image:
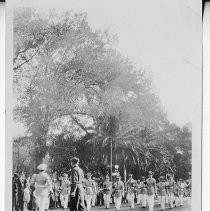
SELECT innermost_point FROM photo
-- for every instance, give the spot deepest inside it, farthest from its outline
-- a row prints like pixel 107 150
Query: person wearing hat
pixel 65 191
pixel 138 191
pixel 118 191
pixel 77 190
pixel 170 190
pixel 181 189
pixel 143 193
pixel 107 190
pixel 130 187
pixel 151 190
pixel 89 190
pixel 161 188
pixel 43 186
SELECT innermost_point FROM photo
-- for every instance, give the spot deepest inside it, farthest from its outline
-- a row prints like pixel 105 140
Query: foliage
pixel 76 95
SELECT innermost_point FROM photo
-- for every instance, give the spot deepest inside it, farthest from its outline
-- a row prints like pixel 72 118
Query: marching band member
pixel 43 186
pixel 65 191
pixel 107 190
pixel 118 188
pixel 170 190
pixel 89 190
pixel 143 192
pixel 138 191
pixel 181 188
pixel 158 193
pixel 130 186
pixel 151 190
pixel 161 187
pixel 94 197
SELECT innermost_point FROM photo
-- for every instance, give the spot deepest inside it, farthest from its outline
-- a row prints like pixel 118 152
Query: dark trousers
pixel 77 203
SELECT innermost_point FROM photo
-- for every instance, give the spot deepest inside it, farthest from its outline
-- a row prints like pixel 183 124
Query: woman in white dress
pixel 43 187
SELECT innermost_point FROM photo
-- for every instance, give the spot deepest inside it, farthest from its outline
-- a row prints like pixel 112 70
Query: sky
pixel 162 36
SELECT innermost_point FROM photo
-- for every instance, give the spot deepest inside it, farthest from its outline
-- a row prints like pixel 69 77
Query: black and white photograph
pixel 104 105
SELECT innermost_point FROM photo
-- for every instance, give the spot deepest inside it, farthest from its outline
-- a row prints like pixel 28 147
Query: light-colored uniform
pixel 151 186
pixel 65 191
pixel 143 194
pixel 170 191
pixel 94 194
pixel 181 189
pixel 138 192
pixel 89 191
pixel 42 186
pixel 131 185
pixel 118 193
pixel 107 189
pixel 161 187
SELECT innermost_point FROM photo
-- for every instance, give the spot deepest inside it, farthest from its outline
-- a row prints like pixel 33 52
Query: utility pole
pixel 111 159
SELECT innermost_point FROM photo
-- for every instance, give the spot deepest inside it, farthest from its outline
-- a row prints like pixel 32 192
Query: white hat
pixel 42 167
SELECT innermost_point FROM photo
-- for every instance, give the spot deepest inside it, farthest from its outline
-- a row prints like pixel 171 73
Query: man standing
pixel 65 191
pixel 161 186
pixel 94 197
pixel 170 190
pixel 138 191
pixel 143 194
pixel 77 190
pixel 107 187
pixel 151 190
pixel 118 190
pixel 181 189
pixel 130 186
pixel 89 190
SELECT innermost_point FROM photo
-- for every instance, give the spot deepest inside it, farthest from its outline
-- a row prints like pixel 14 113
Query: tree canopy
pixel 76 93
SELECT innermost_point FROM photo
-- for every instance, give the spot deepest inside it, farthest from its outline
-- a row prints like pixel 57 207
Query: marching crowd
pixel 77 192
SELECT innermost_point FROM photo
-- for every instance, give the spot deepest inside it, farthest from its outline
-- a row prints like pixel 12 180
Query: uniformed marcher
pixel 130 187
pixel 170 190
pixel 118 191
pixel 181 189
pixel 107 190
pixel 77 190
pixel 89 190
pixel 138 192
pixel 95 191
pixel 43 187
pixel 143 192
pixel 161 188
pixel 151 190
pixel 65 191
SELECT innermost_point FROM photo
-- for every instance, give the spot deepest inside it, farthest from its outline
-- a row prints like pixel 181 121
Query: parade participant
pixel 189 184
pixel 42 186
pixel 118 192
pixel 181 189
pixel 176 195
pixel 65 191
pixel 161 187
pixel 15 192
pixel 130 187
pixel 143 194
pixel 158 193
pixel 94 197
pixel 138 191
pixel 56 192
pixel 107 190
pixel 26 197
pixel 151 190
pixel 89 186
pixel 77 190
pixel 170 190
